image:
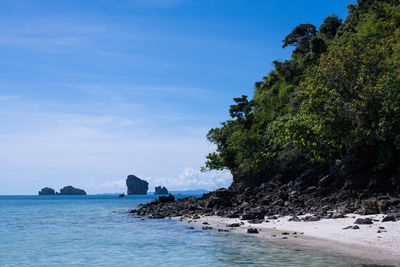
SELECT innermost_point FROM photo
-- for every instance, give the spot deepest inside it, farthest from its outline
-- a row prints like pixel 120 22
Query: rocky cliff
pixel 160 190
pixel 136 186
pixel 47 191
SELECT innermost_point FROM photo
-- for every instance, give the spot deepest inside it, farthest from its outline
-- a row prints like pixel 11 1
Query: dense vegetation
pixel 337 98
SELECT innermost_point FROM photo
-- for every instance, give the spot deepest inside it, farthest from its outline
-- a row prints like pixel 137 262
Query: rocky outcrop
pixel 327 192
pixel 136 186
pixel 160 190
pixel 70 190
pixel 47 191
pixel 255 203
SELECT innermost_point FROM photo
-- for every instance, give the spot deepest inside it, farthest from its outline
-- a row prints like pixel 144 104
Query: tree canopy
pixel 338 97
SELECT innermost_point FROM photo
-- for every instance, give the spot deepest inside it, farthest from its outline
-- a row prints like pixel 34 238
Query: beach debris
pixel 285 233
pixel 206 223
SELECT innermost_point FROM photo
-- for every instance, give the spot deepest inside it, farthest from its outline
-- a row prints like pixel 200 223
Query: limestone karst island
pixel 67 190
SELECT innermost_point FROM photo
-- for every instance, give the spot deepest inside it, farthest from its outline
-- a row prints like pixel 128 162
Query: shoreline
pixel 369 242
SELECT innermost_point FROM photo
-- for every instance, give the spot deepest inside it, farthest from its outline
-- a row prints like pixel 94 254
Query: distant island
pixel 160 190
pixel 136 186
pixel 47 191
pixel 67 190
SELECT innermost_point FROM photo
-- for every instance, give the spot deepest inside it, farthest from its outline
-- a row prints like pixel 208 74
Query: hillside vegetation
pixel 334 107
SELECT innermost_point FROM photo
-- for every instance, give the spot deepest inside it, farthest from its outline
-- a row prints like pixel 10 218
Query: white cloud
pixel 114 184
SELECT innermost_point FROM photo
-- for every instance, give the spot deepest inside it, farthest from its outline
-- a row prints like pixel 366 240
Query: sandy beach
pixel 377 243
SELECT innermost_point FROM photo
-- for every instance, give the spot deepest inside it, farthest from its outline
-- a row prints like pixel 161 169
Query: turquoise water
pixel 98 231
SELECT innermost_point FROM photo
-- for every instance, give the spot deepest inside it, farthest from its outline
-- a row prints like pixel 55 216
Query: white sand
pixel 327 234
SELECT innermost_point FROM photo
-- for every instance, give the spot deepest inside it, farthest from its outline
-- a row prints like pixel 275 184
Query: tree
pixel 330 26
pixel 242 109
pixel 300 38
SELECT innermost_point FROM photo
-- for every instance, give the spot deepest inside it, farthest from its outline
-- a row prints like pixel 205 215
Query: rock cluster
pixel 255 203
pixel 136 186
pixel 158 190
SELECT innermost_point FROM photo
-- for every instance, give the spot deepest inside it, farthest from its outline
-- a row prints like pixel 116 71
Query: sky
pixel 94 90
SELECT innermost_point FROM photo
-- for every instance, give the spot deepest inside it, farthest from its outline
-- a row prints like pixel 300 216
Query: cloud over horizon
pixel 188 179
pixel 42 147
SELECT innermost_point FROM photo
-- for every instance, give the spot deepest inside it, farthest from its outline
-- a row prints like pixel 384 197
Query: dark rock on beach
pixel 364 221
pixel 389 218
pixel 136 186
pixel 355 227
pixel 233 225
pixel 252 231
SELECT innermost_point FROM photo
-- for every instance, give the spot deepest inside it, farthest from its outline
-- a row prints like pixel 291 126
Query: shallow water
pixel 98 231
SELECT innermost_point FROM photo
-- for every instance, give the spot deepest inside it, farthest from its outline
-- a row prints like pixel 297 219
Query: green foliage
pixel 330 26
pixel 300 38
pixel 339 93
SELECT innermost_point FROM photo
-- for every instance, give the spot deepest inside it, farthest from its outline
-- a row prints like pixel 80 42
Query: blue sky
pixel 94 90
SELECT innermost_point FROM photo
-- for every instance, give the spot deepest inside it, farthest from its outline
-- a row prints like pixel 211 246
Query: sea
pixel 97 230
